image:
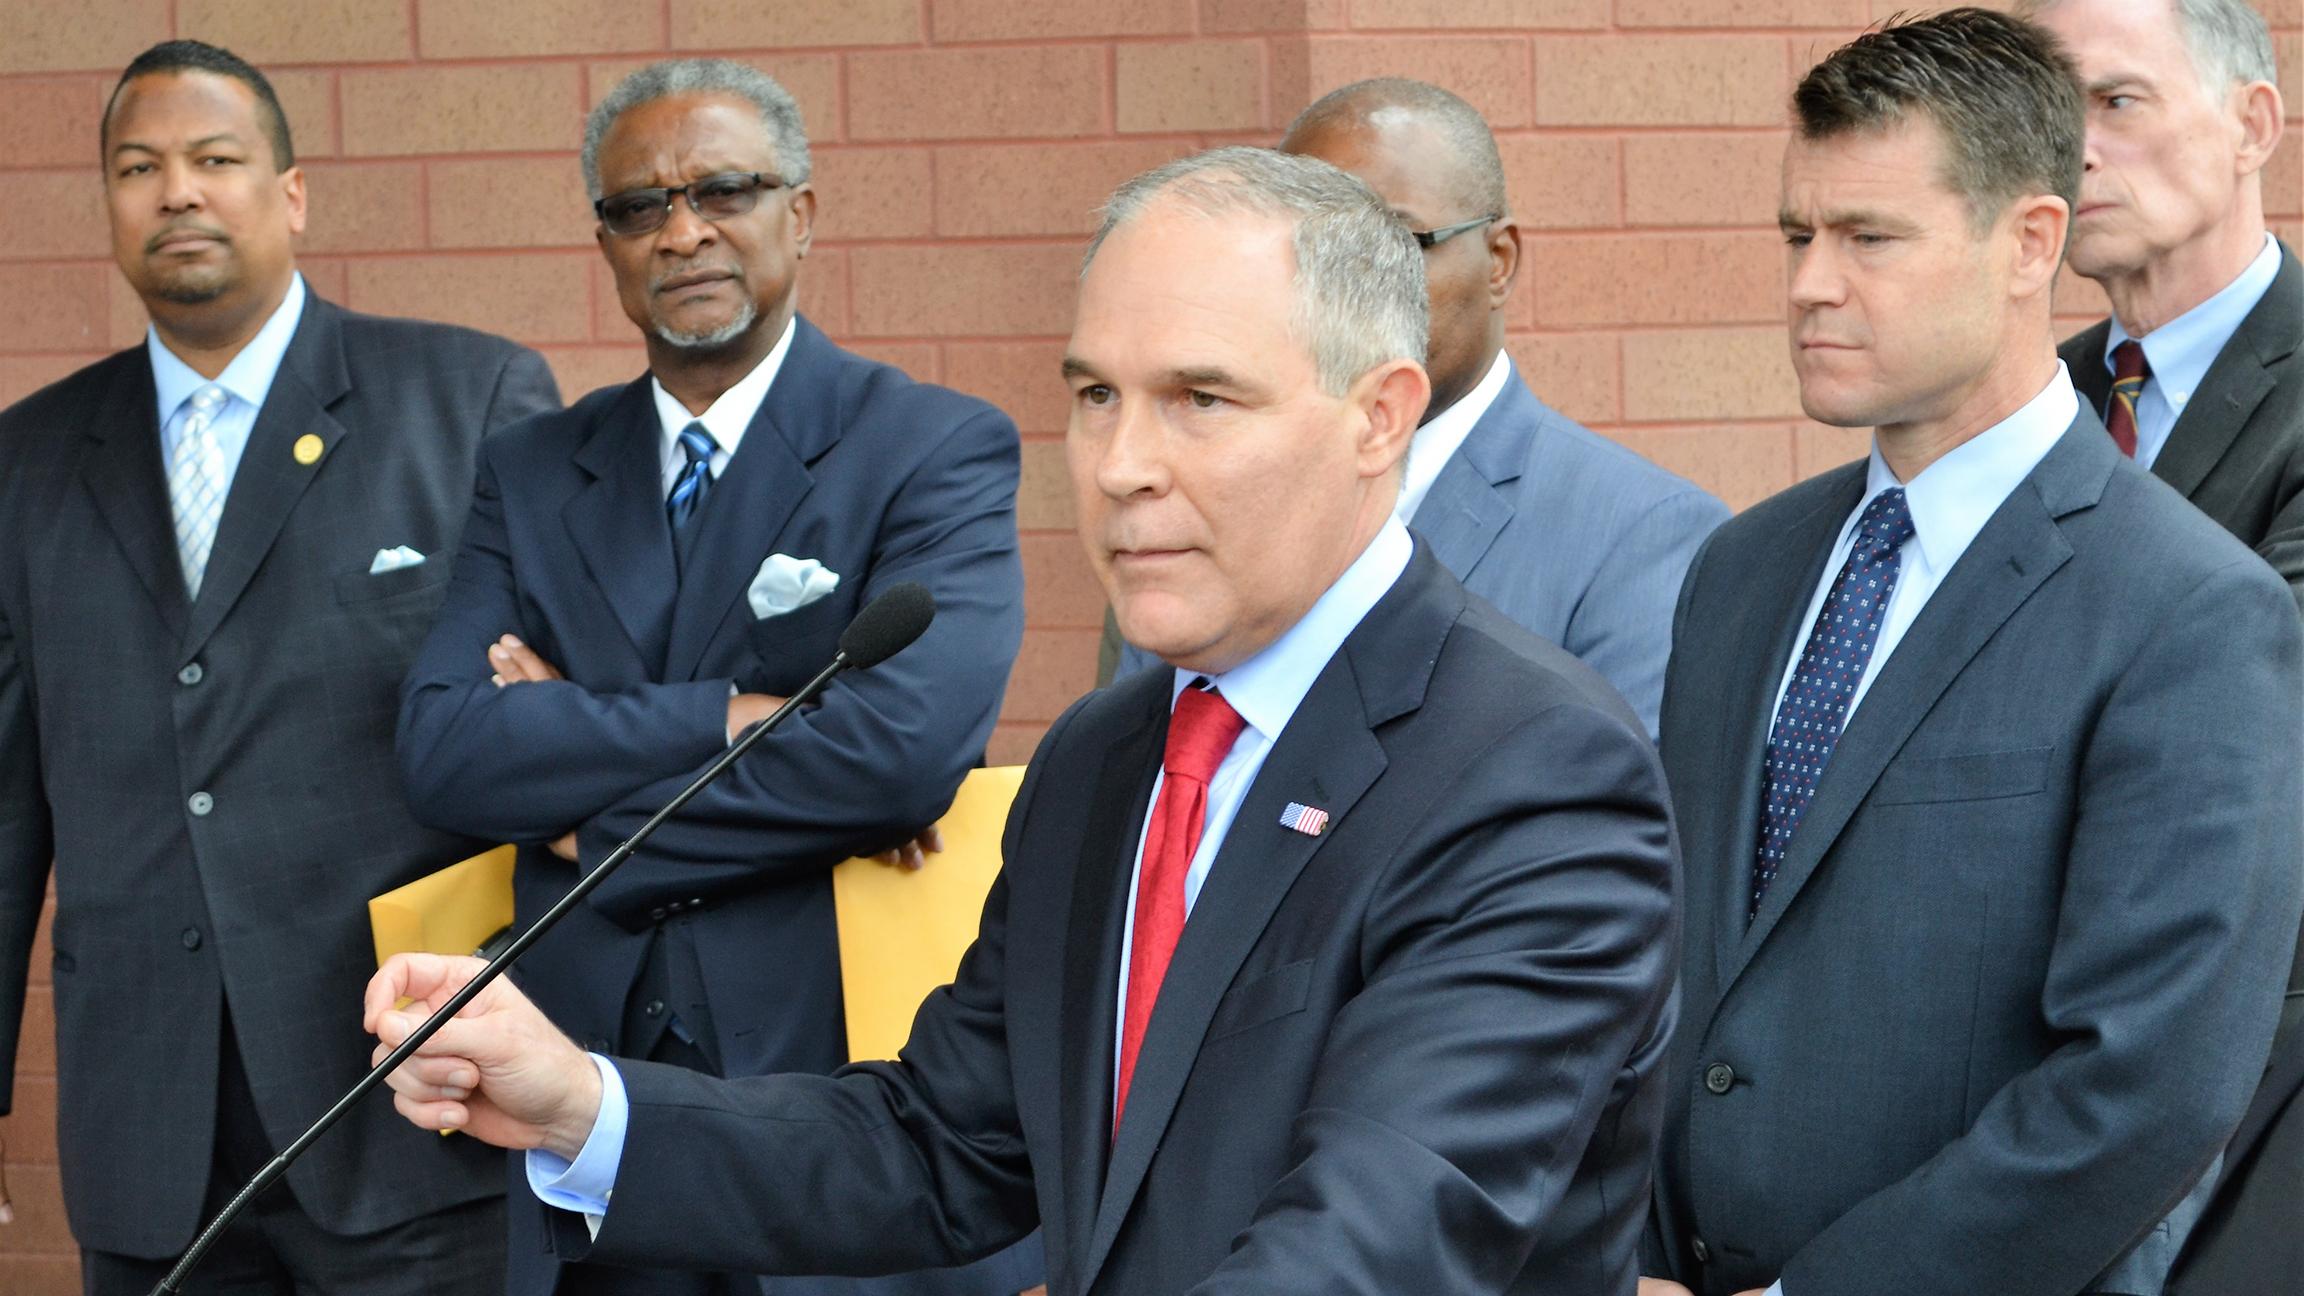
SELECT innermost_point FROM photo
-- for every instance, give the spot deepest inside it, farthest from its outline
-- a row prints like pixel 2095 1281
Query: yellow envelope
pixel 452 911
pixel 902 934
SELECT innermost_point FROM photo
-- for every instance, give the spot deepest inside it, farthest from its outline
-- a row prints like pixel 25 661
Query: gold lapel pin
pixel 308 448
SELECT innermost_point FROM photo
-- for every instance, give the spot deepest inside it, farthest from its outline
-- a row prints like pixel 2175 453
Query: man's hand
pixel 500 1071
pixel 748 709
pixel 1662 1287
pixel 516 663
pixel 564 846
pixel 914 853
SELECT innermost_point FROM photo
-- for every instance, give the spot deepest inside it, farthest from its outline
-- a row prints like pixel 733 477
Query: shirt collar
pixel 2181 350
pixel 1952 498
pixel 1267 688
pixel 1443 435
pixel 733 412
pixel 248 377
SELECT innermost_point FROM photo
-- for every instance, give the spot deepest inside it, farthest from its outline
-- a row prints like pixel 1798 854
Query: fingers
pixel 432 1115
pixel 516 663
pixel 564 846
pixel 428 979
pixel 931 839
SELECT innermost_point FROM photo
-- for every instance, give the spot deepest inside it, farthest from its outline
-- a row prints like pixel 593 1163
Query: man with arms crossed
pixel 1334 958
pixel 1569 534
pixel 1989 750
pixel 218 551
pixel 2200 370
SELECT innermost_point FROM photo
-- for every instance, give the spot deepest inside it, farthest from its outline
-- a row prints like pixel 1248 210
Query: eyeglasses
pixel 1432 238
pixel 713 198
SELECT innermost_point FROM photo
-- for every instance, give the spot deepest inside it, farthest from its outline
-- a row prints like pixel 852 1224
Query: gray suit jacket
pixel 2238 453
pixel 1569 534
pixel 271 696
pixel 2019 972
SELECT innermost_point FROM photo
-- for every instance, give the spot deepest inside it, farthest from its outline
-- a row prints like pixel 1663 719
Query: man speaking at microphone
pixel 1336 958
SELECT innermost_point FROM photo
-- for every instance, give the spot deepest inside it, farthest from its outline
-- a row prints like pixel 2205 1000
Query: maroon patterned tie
pixel 2128 374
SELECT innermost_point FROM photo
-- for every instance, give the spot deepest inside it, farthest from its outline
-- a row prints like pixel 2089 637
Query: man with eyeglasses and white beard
pixel 648 573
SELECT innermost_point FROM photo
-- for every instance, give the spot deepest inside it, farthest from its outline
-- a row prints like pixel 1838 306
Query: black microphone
pixel 886 626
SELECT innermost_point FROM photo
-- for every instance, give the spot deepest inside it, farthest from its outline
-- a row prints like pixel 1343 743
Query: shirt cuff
pixel 585 1184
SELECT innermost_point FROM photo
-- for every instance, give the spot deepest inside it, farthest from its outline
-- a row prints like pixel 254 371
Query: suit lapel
pixel 1091 954
pixel 1465 510
pixel 1327 756
pixel 616 521
pixel 1781 592
pixel 2018 549
pixel 129 485
pixel 2237 382
pixel 271 477
pixel 764 483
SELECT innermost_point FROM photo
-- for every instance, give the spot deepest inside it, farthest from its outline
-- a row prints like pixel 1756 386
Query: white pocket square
pixel 393 559
pixel 787 584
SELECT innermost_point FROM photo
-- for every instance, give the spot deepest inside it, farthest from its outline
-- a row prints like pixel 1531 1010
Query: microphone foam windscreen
pixel 888 624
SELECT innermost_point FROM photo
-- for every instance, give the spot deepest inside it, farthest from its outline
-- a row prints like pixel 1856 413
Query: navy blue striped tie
pixel 695 480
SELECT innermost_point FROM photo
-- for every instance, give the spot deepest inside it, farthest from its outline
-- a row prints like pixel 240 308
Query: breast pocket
pixel 366 586
pixel 1267 998
pixel 1971 776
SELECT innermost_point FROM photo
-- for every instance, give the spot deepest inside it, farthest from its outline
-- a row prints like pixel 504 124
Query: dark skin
pixel 203 218
pixel 1408 162
pixel 695 277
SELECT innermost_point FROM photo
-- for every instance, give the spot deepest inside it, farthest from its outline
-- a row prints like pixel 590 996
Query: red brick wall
pixel 962 148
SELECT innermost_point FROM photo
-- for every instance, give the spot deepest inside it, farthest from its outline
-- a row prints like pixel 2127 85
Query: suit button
pixel 200 803
pixel 657 914
pixel 1719 1077
pixel 191 938
pixel 697 903
pixel 190 675
pixel 655 1008
pixel 1702 1252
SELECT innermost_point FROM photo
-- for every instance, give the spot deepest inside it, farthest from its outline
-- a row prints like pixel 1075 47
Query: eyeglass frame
pixel 761 181
pixel 1432 238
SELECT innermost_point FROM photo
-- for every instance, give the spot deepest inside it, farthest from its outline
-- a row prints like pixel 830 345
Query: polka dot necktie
pixel 1815 705
pixel 2129 372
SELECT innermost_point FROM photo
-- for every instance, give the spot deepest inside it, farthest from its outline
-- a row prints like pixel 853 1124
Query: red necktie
pixel 1199 735
pixel 2128 374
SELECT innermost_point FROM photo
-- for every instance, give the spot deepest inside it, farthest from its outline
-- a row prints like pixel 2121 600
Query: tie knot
pixel 698 443
pixel 1885 525
pixel 1199 734
pixel 2128 364
pixel 208 399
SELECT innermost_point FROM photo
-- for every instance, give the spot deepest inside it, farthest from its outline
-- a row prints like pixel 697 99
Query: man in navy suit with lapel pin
pixel 1569 534
pixel 219 550
pixel 1336 956
pixel 1989 751
pixel 651 571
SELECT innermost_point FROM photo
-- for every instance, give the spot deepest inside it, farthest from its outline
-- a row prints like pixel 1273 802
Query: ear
pixel 1503 260
pixel 292 189
pixel 2038 223
pixel 2258 116
pixel 803 203
pixel 1391 397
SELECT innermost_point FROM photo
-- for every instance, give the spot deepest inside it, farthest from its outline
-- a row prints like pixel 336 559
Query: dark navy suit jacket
pixel 848 462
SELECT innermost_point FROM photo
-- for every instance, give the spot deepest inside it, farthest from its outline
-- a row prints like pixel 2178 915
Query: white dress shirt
pixel 2180 351
pixel 1443 435
pixel 1266 689
pixel 247 380
pixel 1950 501
pixel 727 417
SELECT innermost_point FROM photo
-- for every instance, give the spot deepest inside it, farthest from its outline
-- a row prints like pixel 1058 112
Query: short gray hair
pixel 1360 299
pixel 700 76
pixel 1476 170
pixel 2228 40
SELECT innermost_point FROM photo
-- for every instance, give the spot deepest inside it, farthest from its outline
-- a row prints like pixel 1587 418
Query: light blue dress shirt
pixel 2180 351
pixel 248 380
pixel 1266 689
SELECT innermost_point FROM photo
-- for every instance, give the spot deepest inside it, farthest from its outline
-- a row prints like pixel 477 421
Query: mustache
pixel 682 276
pixel 185 227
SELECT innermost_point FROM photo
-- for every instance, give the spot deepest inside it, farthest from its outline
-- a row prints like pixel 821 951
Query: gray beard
pixel 711 339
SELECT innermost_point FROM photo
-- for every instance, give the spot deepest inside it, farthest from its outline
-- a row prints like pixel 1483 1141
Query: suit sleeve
pixel 881 1168
pixel 2179 915
pixel 524 388
pixel 1521 949
pixel 882 754
pixel 1619 628
pixel 27 844
pixel 2283 542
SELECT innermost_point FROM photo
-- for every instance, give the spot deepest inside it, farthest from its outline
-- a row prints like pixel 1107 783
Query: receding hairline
pixel 1452 121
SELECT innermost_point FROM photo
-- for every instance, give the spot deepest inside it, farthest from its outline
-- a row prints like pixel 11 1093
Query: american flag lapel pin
pixel 1308 820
